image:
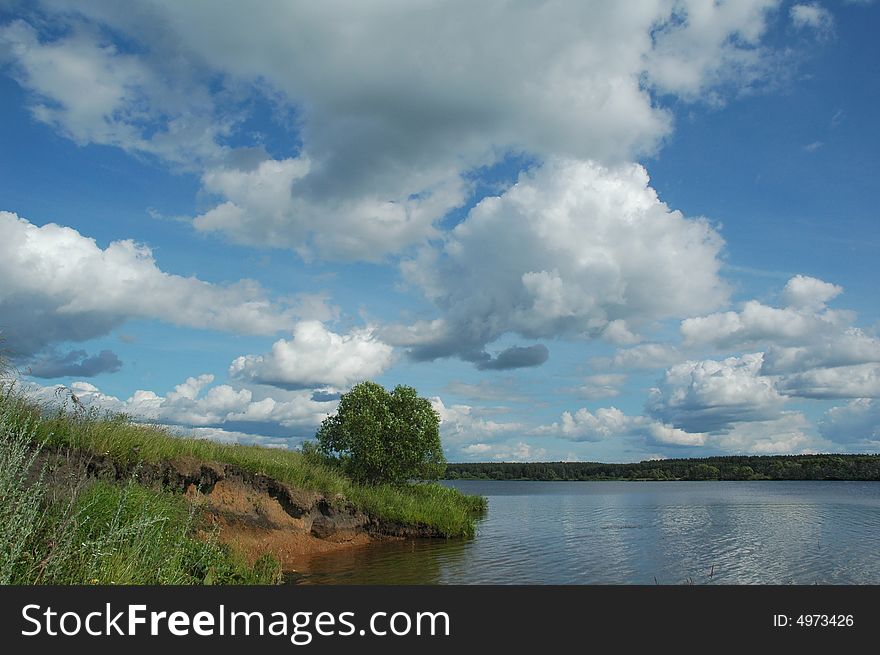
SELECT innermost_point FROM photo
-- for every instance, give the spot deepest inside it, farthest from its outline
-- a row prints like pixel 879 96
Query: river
pixel 639 533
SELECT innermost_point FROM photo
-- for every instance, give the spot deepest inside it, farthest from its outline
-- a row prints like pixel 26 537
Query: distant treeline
pixel 768 467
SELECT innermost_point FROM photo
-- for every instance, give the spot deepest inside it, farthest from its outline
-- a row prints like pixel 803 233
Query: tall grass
pixel 70 424
pixel 95 532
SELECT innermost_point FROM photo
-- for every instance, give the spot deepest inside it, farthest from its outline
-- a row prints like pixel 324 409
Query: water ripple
pixel 636 533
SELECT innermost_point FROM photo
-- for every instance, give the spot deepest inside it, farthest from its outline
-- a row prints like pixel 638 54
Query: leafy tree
pixel 384 437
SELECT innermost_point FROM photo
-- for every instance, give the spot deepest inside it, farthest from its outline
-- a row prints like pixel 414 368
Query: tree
pixel 384 437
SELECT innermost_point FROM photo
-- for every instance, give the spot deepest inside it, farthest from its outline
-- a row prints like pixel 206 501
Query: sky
pixel 590 231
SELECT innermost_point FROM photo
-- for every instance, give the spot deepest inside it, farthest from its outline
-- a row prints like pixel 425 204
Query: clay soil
pixel 254 524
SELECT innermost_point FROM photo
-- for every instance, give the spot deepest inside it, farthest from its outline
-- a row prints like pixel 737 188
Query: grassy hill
pixel 153 531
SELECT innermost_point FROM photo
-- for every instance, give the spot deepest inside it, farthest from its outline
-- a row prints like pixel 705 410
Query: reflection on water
pixel 419 561
pixel 636 532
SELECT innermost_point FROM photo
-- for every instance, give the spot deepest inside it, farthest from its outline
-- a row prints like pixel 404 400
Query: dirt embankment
pixel 253 513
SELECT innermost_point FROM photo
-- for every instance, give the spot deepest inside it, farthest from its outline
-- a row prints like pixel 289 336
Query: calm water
pixel 634 532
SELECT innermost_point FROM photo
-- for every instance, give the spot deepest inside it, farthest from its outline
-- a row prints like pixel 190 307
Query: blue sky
pixel 591 231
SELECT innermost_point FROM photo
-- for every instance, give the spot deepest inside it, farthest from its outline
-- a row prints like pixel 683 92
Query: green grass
pixel 95 532
pixel 67 424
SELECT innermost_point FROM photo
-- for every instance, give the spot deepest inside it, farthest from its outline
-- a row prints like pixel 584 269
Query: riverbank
pixel 253 505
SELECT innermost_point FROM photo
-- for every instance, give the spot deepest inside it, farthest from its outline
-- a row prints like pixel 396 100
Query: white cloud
pixel 857 424
pixel 258 202
pixel 316 357
pixel 315 307
pixel 804 318
pixel 804 292
pixel 602 385
pixel 476 449
pixel 235 437
pixel 812 16
pixel 714 396
pixel 848 347
pixel 584 425
pixel 811 351
pixel 196 403
pixel 264 206
pixel 667 435
pixel 467 76
pixel 618 332
pixel 785 432
pixel 611 423
pixel 392 103
pixel 701 45
pixel 570 250
pixel 756 323
pixel 58 285
pixel 91 92
pixel 860 381
pixel 507 452
pixel 461 423
pixel 789 433
pixel 418 334
pixel 645 356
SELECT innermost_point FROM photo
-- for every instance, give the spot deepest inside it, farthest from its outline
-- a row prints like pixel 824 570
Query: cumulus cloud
pixel 699 46
pixel 789 433
pixel 784 432
pixel 75 363
pixel 420 334
pixel 781 432
pixel 264 206
pixel 610 423
pixel 804 292
pixel 368 181
pixel 519 451
pixel 316 357
pixel 569 250
pixel 667 435
pixel 810 350
pixel 857 424
pixel 584 425
pixel 471 78
pixel 848 347
pixel 756 323
pixel 476 449
pixel 58 285
pixel 463 423
pixel 860 381
pixel 714 396
pixel 805 317
pixel 602 385
pixel 235 437
pixel 645 356
pixel 315 307
pixel 130 104
pixel 197 402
